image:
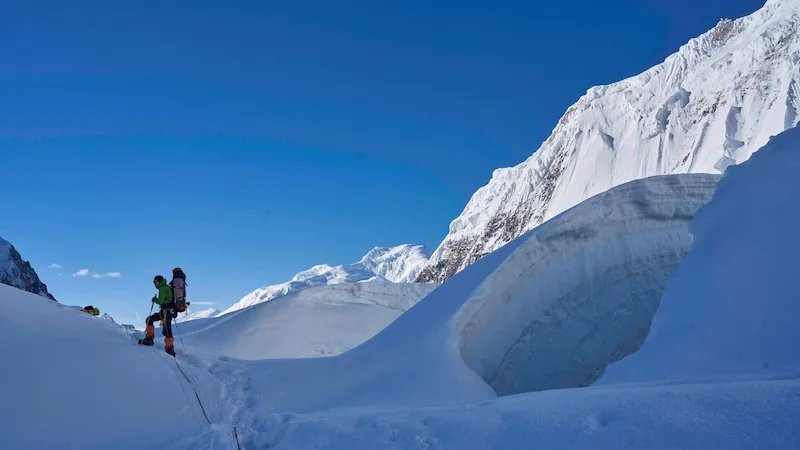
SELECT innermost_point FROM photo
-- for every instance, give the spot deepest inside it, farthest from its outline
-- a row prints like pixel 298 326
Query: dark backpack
pixel 178 285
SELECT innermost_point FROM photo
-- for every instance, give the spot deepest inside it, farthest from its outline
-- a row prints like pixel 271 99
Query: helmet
pixel 158 278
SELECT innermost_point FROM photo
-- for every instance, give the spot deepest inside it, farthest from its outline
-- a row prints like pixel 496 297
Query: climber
pixel 91 310
pixel 164 300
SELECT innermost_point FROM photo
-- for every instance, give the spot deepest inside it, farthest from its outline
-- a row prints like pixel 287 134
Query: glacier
pixel 706 107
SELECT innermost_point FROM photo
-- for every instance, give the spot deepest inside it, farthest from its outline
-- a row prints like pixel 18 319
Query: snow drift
pixel 399 264
pixel 710 105
pixel 319 321
pixel 731 309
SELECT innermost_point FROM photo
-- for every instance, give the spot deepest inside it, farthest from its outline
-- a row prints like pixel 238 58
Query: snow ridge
pixel 708 106
pixel 18 273
pixel 400 264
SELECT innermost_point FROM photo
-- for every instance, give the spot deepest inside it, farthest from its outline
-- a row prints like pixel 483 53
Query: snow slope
pixel 731 309
pixel 319 321
pixel 726 416
pixel 399 264
pixel 711 104
pixel 16 272
pixel 71 380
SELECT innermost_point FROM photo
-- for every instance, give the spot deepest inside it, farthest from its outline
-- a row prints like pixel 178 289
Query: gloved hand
pixel 154 299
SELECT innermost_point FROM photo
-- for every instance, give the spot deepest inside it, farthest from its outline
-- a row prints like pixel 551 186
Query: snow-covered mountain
pixel 16 272
pixel 710 105
pixel 195 315
pixel 399 264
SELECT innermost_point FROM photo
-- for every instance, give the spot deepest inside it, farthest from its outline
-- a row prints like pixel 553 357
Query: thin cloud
pixel 54 266
pixel 109 274
pixel 203 303
pixel 86 272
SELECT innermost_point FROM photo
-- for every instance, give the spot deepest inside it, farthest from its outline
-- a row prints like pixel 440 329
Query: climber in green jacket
pixel 91 310
pixel 167 308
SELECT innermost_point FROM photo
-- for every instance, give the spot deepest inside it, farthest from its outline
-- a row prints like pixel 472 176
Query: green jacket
pixel 164 294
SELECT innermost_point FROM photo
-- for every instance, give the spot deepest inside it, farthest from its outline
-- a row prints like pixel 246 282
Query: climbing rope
pixel 196 394
pixel 195 391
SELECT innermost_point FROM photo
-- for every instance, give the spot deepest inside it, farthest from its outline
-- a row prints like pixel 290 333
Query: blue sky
pixel 246 143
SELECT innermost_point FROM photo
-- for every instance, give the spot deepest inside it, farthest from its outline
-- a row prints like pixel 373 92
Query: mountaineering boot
pixel 149 335
pixel 169 346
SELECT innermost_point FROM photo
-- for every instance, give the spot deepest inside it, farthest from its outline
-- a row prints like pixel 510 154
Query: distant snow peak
pixel 710 105
pixel 400 264
pixel 195 315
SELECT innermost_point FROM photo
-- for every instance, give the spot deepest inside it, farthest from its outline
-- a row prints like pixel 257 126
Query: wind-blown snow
pixel 710 105
pixel 731 309
pixel 399 264
pixel 319 321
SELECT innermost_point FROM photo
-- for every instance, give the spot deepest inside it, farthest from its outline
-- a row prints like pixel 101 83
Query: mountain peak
pixel 400 264
pixel 16 272
pixel 711 104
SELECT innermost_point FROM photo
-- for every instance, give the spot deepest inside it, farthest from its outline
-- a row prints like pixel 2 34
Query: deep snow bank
pixel 579 290
pixel 71 380
pixel 731 308
pixel 319 321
